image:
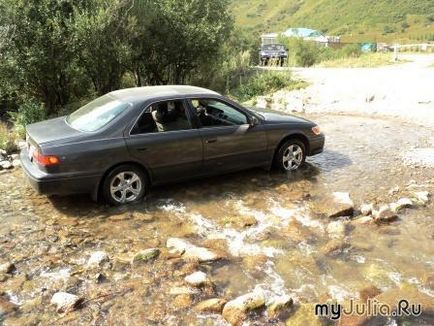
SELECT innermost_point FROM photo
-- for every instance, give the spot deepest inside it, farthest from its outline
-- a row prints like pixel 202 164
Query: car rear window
pixel 96 114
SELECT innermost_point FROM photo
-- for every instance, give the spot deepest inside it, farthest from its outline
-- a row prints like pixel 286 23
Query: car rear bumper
pixel 316 145
pixel 49 184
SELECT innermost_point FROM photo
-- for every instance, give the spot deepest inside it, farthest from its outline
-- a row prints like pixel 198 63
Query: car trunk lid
pixel 51 130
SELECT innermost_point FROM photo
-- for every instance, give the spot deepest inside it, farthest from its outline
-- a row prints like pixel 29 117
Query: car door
pixel 230 141
pixel 167 144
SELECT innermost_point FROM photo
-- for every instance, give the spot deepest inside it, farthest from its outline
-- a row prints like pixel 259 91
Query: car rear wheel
pixel 124 185
pixel 291 155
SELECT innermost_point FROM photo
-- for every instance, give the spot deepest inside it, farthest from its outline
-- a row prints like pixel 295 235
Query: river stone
pixel 334 247
pixel 384 214
pixel 369 293
pixel 342 205
pixel 422 197
pixel 7 268
pixel 197 279
pixel 214 305
pixel 65 301
pixel 430 282
pixel 145 255
pixel 366 209
pixel 97 258
pixel 190 251
pixel 178 290
pixel 6 165
pixel 304 315
pixel 363 220
pixel 6 307
pixel 277 304
pixel 336 229
pixel 183 301
pixel 235 310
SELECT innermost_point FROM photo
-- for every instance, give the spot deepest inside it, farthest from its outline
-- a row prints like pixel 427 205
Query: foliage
pixel 337 17
pixel 7 139
pixel 267 82
pixel 60 52
pixel 29 112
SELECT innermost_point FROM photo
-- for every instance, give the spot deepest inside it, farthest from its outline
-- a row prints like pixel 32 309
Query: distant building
pixel 304 33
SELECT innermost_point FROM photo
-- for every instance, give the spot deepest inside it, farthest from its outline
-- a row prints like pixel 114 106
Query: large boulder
pixel 190 251
pixel 235 310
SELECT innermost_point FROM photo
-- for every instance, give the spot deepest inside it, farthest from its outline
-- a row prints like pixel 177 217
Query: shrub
pixel 7 139
pixel 263 83
pixel 29 112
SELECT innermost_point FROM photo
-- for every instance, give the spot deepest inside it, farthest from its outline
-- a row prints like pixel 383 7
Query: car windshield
pixel 96 114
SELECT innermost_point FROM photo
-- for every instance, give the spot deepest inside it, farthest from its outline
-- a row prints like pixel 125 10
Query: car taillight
pixel 316 130
pixel 45 160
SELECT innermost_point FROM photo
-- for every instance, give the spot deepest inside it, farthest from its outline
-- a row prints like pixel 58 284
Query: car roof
pixel 138 94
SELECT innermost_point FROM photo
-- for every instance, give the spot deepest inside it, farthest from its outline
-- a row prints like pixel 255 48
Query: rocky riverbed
pixel 254 247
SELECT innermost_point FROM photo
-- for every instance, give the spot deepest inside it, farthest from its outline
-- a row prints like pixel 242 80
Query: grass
pixel 355 21
pixel 264 83
pixel 7 139
pixel 368 60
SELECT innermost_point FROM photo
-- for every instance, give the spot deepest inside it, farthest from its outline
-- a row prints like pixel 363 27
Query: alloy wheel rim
pixel 292 157
pixel 125 187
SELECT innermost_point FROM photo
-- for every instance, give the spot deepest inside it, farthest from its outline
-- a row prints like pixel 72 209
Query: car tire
pixel 124 184
pixel 290 155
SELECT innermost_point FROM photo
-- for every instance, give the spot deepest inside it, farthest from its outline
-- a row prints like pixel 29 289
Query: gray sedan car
pixel 120 144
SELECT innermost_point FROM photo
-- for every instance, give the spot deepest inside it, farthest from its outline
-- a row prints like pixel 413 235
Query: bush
pixel 28 113
pixel 263 83
pixel 7 139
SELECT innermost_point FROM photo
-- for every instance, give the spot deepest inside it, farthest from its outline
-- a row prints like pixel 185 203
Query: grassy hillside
pixel 355 20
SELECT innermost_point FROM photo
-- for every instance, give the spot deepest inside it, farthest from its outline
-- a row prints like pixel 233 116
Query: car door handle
pixel 210 141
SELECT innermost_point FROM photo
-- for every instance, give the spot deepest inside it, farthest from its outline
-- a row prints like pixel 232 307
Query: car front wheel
pixel 125 184
pixel 291 155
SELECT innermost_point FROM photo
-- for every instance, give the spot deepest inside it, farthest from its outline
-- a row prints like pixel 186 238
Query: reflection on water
pixel 262 223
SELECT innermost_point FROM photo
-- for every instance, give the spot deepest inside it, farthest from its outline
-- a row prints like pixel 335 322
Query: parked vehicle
pixel 120 144
pixel 273 52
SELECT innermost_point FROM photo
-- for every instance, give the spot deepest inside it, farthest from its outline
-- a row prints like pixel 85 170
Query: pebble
pixel 235 310
pixel 384 214
pixel 65 301
pixel 97 258
pixel 197 279
pixel 214 305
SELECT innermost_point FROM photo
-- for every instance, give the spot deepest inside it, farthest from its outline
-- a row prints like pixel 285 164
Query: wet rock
pixel 341 205
pixel 384 214
pixel 277 304
pixel 6 307
pixel 401 204
pixel 197 279
pixel 336 229
pixel 97 258
pixel 378 275
pixel 334 247
pixel 235 310
pixel 7 268
pixel 297 233
pixel 363 220
pixel 238 221
pixel 411 294
pixel 190 251
pixel 422 197
pixel 304 315
pixel 256 262
pixel 214 305
pixel 369 293
pixel 183 301
pixel 6 165
pixel 366 209
pixel 430 282
pixel 145 255
pixel 66 302
pixel 178 290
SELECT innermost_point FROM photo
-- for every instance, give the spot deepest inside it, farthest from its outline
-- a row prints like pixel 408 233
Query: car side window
pixel 215 113
pixel 162 117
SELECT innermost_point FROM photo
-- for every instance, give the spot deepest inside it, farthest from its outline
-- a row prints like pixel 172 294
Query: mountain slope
pixel 353 19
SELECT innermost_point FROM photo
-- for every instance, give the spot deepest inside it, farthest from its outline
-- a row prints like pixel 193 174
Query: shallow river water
pixel 270 229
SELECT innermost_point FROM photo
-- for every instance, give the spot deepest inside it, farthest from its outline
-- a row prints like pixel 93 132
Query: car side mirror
pixel 253 121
